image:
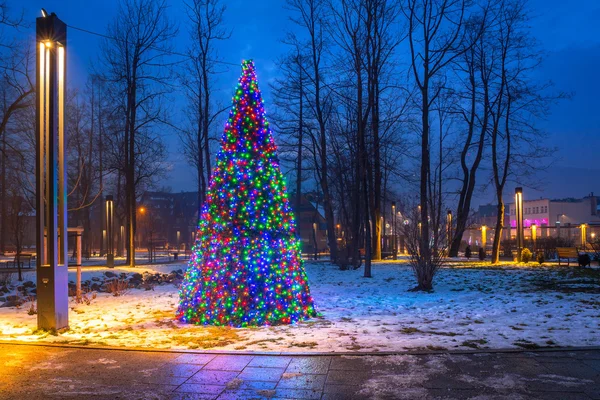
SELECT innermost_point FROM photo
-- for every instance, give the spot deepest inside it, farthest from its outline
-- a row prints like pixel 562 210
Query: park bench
pixel 568 253
pixel 23 257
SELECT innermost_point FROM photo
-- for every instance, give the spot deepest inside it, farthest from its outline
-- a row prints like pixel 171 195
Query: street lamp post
pixel 558 224
pixel 315 237
pixel 449 227
pixel 394 232
pixel 51 190
pixel 583 228
pixel 534 235
pixel 483 237
pixel 519 215
pixel 110 241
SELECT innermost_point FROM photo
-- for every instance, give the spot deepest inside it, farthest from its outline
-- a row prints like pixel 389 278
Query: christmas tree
pixel 246 268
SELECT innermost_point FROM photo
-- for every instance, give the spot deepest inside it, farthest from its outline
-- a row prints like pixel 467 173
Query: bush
pixel 540 257
pixel 468 252
pixel 584 260
pixel 117 287
pixel 6 278
pixel 526 255
pixel 481 253
pixel 32 306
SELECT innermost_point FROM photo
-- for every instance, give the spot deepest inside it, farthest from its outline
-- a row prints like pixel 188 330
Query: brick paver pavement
pixel 39 372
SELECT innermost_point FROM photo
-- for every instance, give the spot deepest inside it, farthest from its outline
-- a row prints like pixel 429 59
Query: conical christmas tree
pixel 246 267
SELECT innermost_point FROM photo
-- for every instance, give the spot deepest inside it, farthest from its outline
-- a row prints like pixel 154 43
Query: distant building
pixel 167 219
pixel 486 215
pixel 552 218
pixel 310 221
pixel 171 219
pixel 558 212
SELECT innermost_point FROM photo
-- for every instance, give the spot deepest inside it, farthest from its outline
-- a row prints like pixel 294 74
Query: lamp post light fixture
pixel 51 189
pixel 519 215
pixel 583 235
pixel 110 239
pixel 534 235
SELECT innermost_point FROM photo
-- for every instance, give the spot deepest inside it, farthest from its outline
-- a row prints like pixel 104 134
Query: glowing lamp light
pixel 519 221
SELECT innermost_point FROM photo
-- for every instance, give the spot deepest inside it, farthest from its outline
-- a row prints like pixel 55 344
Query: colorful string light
pixel 245 268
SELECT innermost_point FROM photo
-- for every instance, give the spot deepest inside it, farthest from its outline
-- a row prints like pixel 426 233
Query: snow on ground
pixel 475 307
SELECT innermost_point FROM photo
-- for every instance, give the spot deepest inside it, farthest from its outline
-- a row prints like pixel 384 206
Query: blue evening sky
pixel 569 32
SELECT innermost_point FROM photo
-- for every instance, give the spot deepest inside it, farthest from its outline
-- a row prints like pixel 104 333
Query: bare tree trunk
pixel 299 151
pixel 3 200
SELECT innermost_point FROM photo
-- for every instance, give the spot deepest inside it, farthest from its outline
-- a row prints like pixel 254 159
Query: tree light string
pixel 246 267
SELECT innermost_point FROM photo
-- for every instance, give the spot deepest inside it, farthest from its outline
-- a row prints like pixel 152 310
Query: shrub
pixel 584 260
pixel 526 255
pixel 481 253
pixel 6 278
pixel 468 252
pixel 32 306
pixel 540 257
pixel 117 287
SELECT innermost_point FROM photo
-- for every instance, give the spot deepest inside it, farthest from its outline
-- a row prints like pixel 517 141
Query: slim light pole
pixel 315 237
pixel 583 228
pixel 483 237
pixel 534 235
pixel 519 215
pixel 110 240
pixel 394 232
pixel 449 227
pixel 51 189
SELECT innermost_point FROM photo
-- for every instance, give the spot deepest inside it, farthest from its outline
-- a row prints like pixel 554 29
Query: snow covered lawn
pixel 478 307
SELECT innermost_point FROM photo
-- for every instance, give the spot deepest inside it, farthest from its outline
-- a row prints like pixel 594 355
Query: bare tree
pixel 519 101
pixel 16 90
pixel 18 210
pixel 311 15
pixel 289 94
pixel 135 68
pixel 436 37
pixel 475 69
pixel 206 29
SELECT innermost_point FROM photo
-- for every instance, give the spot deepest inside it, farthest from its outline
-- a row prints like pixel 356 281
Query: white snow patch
pixel 470 307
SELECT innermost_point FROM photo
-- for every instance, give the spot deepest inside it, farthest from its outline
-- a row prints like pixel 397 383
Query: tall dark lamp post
pixel 449 227
pixel 519 215
pixel 315 237
pixel 110 234
pixel 51 190
pixel 394 231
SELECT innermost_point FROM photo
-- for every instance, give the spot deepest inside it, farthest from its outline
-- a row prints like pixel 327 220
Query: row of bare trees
pixel 381 100
pixel 113 127
pixel 420 102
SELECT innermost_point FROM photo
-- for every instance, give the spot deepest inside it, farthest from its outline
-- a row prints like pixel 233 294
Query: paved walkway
pixel 36 372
